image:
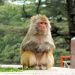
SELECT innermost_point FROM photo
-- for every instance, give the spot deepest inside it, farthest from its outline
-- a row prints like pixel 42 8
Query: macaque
pixel 37 46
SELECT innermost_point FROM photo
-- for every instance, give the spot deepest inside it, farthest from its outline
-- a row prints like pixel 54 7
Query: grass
pixel 10 70
pixel 14 69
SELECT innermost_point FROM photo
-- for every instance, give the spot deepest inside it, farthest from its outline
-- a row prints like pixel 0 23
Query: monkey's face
pixel 41 27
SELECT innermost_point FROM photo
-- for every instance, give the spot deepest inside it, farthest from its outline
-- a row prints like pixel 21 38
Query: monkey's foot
pixel 41 67
pixel 37 67
pixel 25 67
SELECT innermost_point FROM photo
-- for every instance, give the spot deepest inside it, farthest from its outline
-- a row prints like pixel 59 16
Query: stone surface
pixel 51 71
pixel 72 61
pixel 73 45
pixel 10 66
pixel 73 53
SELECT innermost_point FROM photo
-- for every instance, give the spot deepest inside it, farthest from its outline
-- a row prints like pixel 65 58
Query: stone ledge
pixel 10 66
pixel 51 71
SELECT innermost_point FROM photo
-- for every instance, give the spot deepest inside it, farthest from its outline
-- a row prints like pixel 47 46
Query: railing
pixel 62 62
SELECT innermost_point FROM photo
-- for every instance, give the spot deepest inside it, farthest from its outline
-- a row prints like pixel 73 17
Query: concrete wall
pixel 73 53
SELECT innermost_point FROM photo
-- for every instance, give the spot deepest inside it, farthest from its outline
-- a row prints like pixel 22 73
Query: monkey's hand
pixel 34 46
pixel 46 46
pixel 43 47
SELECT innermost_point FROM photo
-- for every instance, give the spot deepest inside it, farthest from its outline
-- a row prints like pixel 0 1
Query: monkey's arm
pixel 50 40
pixel 25 41
pixel 46 46
pixel 29 45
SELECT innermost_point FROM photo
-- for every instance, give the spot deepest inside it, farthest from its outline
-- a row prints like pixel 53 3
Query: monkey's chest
pixel 39 39
pixel 38 44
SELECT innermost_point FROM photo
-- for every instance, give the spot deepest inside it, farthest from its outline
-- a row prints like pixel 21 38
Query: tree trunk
pixel 71 19
pixel 38 7
pixel 24 13
pixel 71 16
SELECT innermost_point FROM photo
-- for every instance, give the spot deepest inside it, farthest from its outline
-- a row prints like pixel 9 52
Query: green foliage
pixel 11 15
pixel 59 52
pixel 10 45
pixel 1 2
pixel 13 28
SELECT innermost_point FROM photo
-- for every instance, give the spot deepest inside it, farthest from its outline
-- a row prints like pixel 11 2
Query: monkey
pixel 36 48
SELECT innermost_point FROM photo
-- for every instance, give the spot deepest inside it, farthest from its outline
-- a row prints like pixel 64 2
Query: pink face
pixel 42 25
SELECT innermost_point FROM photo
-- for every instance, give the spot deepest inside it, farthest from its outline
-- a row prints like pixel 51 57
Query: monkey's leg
pixel 32 60
pixel 50 59
pixel 28 59
pixel 47 60
pixel 24 67
pixel 41 61
pixel 24 60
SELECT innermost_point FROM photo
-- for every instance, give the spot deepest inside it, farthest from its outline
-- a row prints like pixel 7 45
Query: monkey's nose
pixel 42 26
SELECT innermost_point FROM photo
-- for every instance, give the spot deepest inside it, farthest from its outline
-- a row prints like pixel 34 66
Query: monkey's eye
pixel 40 22
pixel 45 23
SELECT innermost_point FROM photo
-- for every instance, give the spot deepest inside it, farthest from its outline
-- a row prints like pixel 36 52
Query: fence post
pixel 73 53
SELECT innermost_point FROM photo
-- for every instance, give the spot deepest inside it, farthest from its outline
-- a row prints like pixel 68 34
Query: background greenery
pixel 14 23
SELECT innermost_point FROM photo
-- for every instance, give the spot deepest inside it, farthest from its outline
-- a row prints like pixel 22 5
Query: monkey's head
pixel 40 25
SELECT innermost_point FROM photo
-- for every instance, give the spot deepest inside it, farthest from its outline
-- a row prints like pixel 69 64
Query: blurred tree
pixel 24 12
pixel 1 2
pixel 38 7
pixel 13 26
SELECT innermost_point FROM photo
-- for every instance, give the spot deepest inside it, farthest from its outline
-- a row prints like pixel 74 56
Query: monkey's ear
pixel 33 18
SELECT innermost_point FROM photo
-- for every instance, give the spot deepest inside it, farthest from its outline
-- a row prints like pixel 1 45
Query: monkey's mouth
pixel 41 32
